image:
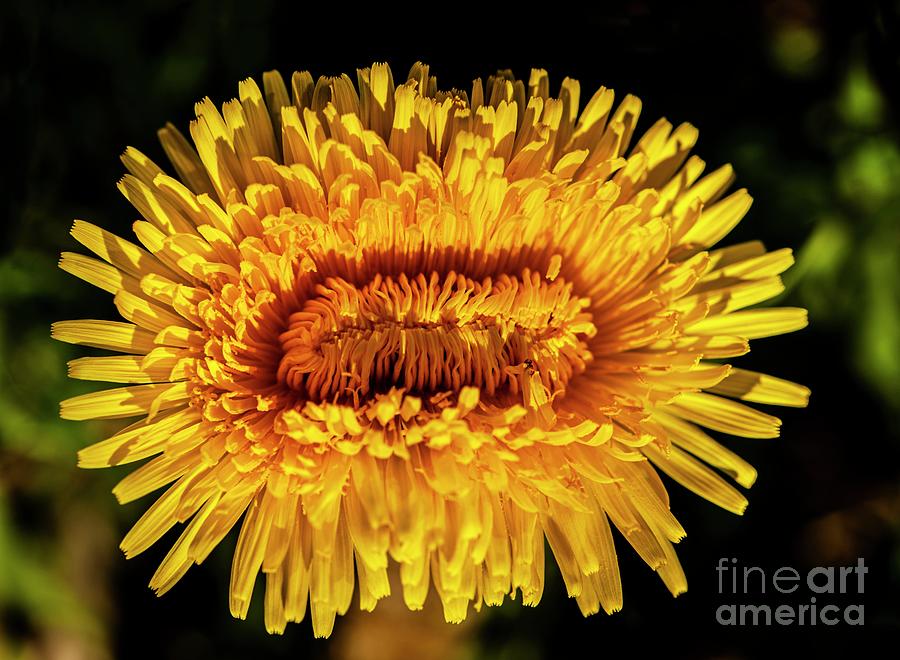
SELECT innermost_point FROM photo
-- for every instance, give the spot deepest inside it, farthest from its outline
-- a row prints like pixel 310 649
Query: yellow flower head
pixel 383 321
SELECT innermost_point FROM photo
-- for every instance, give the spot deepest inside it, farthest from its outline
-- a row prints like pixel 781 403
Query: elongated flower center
pixel 433 333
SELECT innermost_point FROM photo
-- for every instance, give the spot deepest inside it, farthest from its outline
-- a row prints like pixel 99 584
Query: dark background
pixel 802 97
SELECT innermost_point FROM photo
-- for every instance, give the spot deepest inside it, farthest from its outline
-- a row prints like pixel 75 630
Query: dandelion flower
pixel 382 324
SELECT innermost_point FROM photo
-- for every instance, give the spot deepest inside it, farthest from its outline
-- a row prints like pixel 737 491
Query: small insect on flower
pixel 386 322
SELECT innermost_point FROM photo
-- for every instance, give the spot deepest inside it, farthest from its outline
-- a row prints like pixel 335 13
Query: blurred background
pixel 802 97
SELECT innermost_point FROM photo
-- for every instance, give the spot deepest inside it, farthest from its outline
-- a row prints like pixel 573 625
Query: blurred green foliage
pixel 848 270
pixel 36 455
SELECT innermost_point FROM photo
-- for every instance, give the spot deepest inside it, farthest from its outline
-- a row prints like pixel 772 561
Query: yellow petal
pixel 697 478
pixel 762 388
pixel 124 401
pixel 753 323
pixel 111 335
pixel 725 415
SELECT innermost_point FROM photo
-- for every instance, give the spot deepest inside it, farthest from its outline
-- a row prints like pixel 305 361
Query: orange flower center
pixel 431 333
